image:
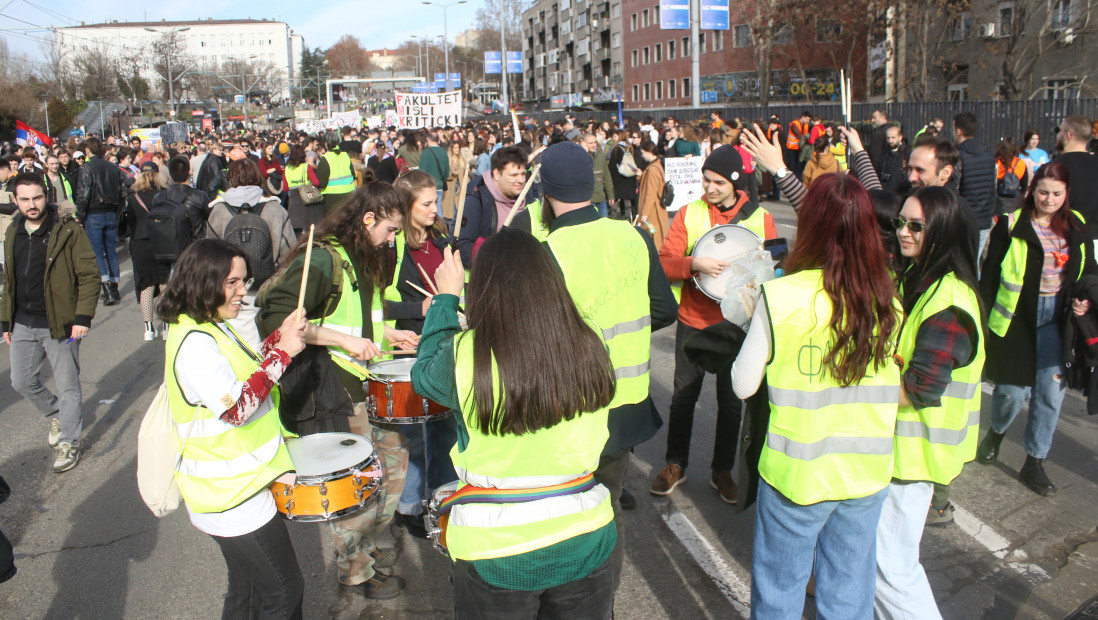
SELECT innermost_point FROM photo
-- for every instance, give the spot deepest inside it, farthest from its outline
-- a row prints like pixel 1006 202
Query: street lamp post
pixel 171 79
pixel 445 36
pixel 419 54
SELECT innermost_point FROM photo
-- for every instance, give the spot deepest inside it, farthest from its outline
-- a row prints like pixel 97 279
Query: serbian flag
pixel 25 135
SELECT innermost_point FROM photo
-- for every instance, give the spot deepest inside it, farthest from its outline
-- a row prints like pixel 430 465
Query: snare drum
pixel 433 521
pixel 337 474
pixel 726 242
pixel 390 398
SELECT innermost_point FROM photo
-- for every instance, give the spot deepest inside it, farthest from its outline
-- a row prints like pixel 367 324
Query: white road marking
pixel 997 544
pixel 736 590
pixel 125 274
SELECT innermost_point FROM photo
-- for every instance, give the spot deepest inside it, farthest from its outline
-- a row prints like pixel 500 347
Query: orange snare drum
pixel 390 398
pixel 337 474
pixel 435 522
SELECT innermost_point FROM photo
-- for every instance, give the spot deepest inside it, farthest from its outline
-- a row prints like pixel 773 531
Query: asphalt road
pixel 87 547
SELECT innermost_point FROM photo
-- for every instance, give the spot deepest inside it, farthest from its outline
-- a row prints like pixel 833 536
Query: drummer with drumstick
pixel 342 300
pixel 724 203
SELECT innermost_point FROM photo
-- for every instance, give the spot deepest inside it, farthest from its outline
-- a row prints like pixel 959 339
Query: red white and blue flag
pixel 25 135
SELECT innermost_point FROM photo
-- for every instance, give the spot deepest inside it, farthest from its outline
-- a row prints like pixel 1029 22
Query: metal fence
pixel 998 119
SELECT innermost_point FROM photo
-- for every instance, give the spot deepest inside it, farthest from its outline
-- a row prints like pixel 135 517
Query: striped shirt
pixel 1054 246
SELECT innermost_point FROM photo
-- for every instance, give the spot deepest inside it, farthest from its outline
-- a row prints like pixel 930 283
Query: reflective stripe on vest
pixel 697 223
pixel 223 465
pixel 610 287
pixel 345 182
pixel 934 443
pixel 1013 271
pixel 825 441
pixel 555 455
pixel 347 318
pixel 298 175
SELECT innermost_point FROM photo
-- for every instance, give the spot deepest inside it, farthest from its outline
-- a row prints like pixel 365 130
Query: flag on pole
pixel 25 135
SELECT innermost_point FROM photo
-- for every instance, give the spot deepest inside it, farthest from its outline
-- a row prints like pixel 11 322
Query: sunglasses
pixel 916 227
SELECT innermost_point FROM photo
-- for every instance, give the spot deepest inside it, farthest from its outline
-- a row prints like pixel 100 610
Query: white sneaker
pixel 163 331
pixel 67 457
pixel 150 334
pixel 55 432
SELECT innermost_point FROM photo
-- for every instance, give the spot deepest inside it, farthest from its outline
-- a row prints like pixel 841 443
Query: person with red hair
pixel 1035 256
pixel 823 338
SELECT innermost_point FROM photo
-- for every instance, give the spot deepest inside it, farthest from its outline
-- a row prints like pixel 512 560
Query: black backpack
pixel 169 228
pixel 668 195
pixel 250 233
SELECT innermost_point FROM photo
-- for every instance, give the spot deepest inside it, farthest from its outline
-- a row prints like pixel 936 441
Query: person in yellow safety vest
pixel 351 328
pixel 224 401
pixel 530 531
pixel 724 203
pixel 941 349
pixel 418 246
pixel 614 277
pixel 825 351
pixel 1036 255
pixel 335 173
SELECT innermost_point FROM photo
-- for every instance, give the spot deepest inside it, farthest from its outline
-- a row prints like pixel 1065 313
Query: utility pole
pixel 695 53
pixel 170 51
pixel 503 59
pixel 446 38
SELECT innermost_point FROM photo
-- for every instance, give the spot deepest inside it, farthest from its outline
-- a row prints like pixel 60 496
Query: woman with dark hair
pixel 269 166
pixel 650 191
pixel 1035 257
pixel 483 157
pixel 148 272
pixel 827 458
pixel 298 173
pixel 822 161
pixel 1032 151
pixel 224 399
pixel 347 263
pixel 887 206
pixel 532 417
pixel 942 355
pixel 410 150
pixel 1007 161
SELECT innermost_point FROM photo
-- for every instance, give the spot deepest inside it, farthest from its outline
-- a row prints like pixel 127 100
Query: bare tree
pixel 96 71
pixel 1037 31
pixel 171 62
pixel 348 57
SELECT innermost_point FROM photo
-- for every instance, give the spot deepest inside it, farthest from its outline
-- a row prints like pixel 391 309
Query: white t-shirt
pixel 206 376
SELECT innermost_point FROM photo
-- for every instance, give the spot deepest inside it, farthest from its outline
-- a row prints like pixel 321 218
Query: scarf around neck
pixel 503 203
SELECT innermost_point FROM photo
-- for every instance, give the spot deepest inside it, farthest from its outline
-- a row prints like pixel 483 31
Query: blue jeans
pixel 843 537
pixel 601 208
pixel 102 229
pixel 429 464
pixel 1046 395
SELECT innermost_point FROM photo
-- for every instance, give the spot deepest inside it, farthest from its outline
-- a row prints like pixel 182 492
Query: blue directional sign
pixel 514 62
pixel 709 96
pixel 714 14
pixel 493 62
pixel 675 14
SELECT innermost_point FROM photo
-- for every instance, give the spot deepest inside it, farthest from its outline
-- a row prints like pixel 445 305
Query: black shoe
pixel 112 291
pixel 988 450
pixel 1033 476
pixel 413 524
pixel 378 588
pixel 628 502
pixel 105 294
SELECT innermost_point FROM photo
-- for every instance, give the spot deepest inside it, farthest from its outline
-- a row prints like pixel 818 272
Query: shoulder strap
pixel 137 197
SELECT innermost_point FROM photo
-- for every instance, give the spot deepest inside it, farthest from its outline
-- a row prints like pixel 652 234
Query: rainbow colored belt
pixel 470 494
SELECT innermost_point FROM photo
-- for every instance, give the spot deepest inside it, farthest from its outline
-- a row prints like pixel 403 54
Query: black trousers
pixel 265 580
pixel 589 598
pixel 689 378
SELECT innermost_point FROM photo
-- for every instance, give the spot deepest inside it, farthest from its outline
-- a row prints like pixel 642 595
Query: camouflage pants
pixel 358 535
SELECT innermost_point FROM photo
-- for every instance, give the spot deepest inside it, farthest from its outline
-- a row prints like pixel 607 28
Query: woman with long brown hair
pixel 650 190
pixel 823 338
pixel 529 529
pixel 298 173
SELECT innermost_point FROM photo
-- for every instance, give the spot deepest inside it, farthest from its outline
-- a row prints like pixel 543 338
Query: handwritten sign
pixel 419 110
pixel 685 174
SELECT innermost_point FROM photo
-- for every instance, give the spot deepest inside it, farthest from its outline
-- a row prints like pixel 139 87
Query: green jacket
pixel 72 277
pixel 434 161
pixel 604 185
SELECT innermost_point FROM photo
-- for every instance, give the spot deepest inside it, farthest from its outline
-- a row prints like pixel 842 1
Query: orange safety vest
pixel 1017 166
pixel 793 141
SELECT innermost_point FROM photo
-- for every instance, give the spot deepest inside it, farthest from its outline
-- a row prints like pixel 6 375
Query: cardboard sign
pixel 416 111
pixel 685 174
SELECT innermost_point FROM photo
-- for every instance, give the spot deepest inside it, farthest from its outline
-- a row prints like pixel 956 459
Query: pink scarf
pixel 503 203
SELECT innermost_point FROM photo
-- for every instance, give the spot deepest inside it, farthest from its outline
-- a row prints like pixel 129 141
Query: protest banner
pixel 352 118
pixel 391 118
pixel 685 174
pixel 415 110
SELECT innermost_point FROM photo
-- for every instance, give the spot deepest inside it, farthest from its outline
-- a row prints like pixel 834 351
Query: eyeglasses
pixel 234 283
pixel 916 227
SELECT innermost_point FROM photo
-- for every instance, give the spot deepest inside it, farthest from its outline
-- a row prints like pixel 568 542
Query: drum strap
pixel 470 494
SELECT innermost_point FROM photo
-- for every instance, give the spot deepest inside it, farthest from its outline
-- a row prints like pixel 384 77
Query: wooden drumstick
pixel 305 271
pixel 521 200
pixel 425 293
pixel 399 352
pixel 427 279
pixel 461 202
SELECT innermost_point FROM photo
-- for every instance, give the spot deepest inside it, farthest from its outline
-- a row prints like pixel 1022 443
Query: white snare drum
pixel 729 243
pixel 337 474
pixel 433 521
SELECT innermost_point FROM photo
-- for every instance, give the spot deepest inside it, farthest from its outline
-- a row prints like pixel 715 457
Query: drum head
pixel 727 242
pixel 445 490
pixel 324 453
pixel 393 370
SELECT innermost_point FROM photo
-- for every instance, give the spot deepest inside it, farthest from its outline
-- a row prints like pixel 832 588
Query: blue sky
pixel 377 23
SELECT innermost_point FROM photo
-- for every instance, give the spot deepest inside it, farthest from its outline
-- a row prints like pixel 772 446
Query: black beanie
pixel 567 173
pixel 725 161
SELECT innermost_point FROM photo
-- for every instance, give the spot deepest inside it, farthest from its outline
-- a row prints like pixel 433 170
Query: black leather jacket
pixel 100 187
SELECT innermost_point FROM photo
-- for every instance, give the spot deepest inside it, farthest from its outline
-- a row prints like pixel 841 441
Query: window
pixel 659 90
pixel 656 19
pixel 959 26
pixel 685 47
pixel 1059 14
pixel 647 56
pixel 1062 89
pixel 1005 24
pixel 671 49
pixel 615 11
pixel 741 36
pixel 636 93
pixel 659 52
pixel 828 30
pixel 615 40
pixel 633 22
pixel 617 68
pixel 581 20
pixel 783 33
pixel 644 18
pixel 718 40
pixel 647 91
pixel 671 92
pixel 701 42
pixel 957 92
pixel 686 88
pixel 634 59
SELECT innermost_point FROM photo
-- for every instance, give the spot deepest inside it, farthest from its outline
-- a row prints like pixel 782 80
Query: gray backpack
pixel 250 233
